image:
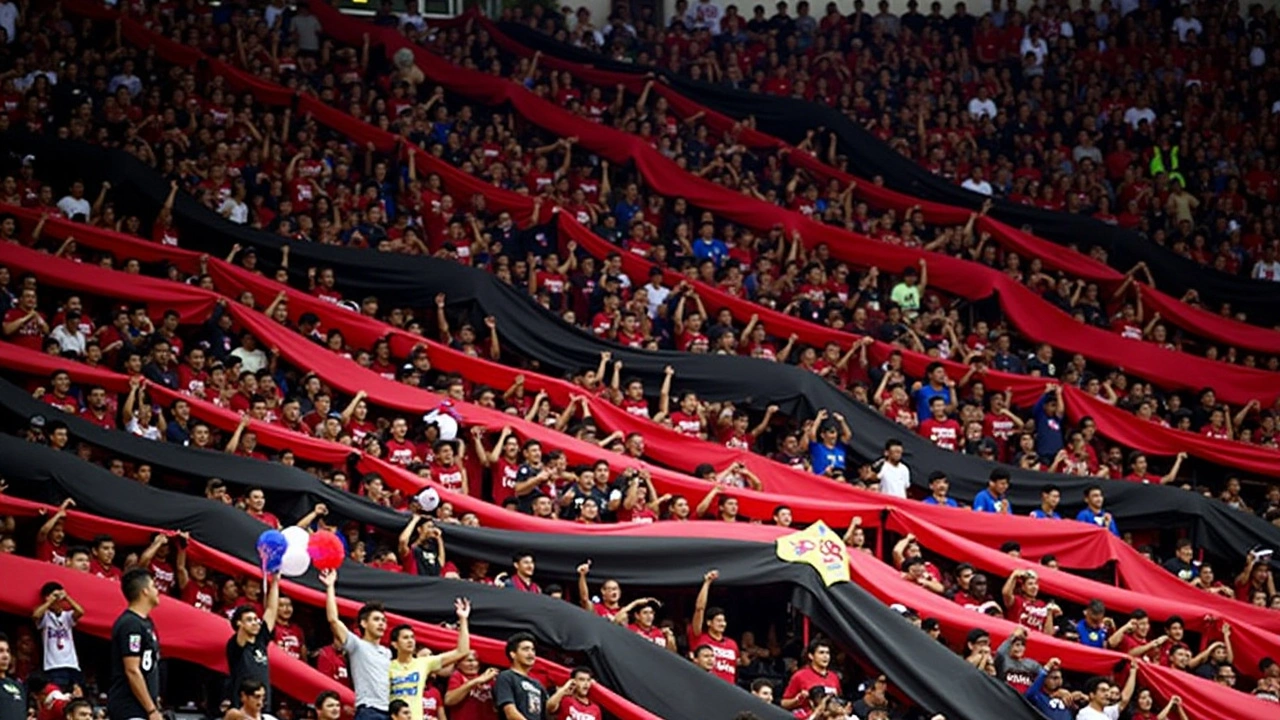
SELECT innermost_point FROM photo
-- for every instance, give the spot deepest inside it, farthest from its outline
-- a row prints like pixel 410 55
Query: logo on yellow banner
pixel 819 546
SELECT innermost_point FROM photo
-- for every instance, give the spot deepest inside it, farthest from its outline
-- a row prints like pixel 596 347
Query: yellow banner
pixel 819 546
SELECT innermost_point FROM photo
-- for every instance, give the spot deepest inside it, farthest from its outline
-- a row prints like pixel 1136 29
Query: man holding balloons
pixel 247 647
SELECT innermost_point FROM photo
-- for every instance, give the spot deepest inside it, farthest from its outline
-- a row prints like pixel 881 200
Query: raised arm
pixel 700 604
pixel 329 578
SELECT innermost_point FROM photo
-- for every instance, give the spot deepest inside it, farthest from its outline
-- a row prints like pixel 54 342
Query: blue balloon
pixel 271 547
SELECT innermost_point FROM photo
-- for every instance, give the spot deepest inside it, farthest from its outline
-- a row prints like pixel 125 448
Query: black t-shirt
pixel 13 700
pixel 132 636
pixel 522 691
pixel 248 661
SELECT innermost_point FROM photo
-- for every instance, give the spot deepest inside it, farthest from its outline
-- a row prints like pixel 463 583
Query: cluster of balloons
pixel 293 551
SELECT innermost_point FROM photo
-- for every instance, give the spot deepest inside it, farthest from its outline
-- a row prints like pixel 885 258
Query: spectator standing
pixel 894 475
pixel 135 652
pixel 13 696
pixel 517 695
pixel 247 648
pixel 368 658
pixel 56 616
pixel 413 666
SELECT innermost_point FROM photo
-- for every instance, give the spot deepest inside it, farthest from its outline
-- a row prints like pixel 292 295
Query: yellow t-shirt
pixel 409 679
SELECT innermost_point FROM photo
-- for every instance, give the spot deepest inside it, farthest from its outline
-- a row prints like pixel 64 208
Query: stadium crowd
pixel 263 167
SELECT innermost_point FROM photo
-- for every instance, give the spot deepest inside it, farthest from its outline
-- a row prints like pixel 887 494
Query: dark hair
pixel 977 634
pixel 396 706
pixel 760 683
pixel 1092 684
pixel 1009 546
pixel 1050 488
pixel 1183 543
pixel 999 474
pixel 522 554
pixel 238 614
pixel 77 550
pixel 327 695
pixel 514 642
pixel 49 587
pixel 702 647
pixel 395 631
pixel 134 582
pixel 892 442
pixel 714 612
pixel 1175 619
pixel 581 670
pixel 1138 614
pixel 249 686
pixel 815 644
pixel 100 540
pixel 366 610
pixel 1097 607
pixel 1091 487
pixel 937 475
pixel 75 705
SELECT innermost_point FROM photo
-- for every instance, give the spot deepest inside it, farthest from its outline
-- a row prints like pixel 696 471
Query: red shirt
pixel 28 334
pixel 162 574
pixel 726 650
pixel 1031 614
pixel 402 452
pixel 943 433
pixel 804 679
pixel 106 420
pixel 106 572
pixel 432 701
pixel 504 480
pixel 477 704
pixel 654 634
pixel 66 403
pixel 290 639
pixel 685 424
pixel 48 552
pixel 639 408
pixel 333 665
pixel 200 595
pixel 450 476
pixel 571 708
pixel 265 517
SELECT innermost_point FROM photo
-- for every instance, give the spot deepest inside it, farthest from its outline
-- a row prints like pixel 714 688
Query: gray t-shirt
pixel 308 29
pixel 370 667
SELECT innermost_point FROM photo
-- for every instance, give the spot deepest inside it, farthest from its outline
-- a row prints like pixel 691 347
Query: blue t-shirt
pixel 986 502
pixel 1099 519
pixel 1048 429
pixel 1038 513
pixel 1091 636
pixel 713 249
pixel 931 500
pixel 926 393
pixel 822 457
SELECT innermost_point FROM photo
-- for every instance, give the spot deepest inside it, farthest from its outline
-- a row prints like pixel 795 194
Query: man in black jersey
pixel 135 652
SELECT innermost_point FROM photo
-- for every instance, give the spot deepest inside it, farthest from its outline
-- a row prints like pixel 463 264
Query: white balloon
pixel 296 537
pixel 428 499
pixel 295 563
pixel 448 426
pixel 296 559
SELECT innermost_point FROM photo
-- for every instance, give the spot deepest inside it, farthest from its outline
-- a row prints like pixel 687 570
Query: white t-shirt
pixel 59 645
pixel 657 296
pixel 1183 25
pixel 707 15
pixel 979 107
pixel 1263 270
pixel 1110 712
pixel 1134 115
pixel 894 479
pixel 71 207
pixel 979 186
pixel 9 19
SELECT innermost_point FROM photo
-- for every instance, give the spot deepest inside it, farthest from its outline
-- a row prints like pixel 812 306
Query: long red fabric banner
pixel 177 620
pixel 185 633
pixel 1193 319
pixel 663 444
pixel 1026 389
pixel 293 347
pixel 1032 315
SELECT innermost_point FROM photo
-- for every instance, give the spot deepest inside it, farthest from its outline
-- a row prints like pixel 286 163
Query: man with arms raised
pixel 135 652
pixel 817 673
pixel 369 660
pixel 707 628
pixel 247 648
pixel 517 695
pixel 413 666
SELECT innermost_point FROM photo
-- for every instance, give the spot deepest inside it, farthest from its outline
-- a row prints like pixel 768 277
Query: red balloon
pixel 326 550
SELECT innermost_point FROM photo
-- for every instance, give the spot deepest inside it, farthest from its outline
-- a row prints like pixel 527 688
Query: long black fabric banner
pixel 538 334
pixel 658 681
pixel 790 118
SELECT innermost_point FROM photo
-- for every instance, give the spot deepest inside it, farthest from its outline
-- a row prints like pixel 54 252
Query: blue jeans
pixel 65 677
pixel 364 712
